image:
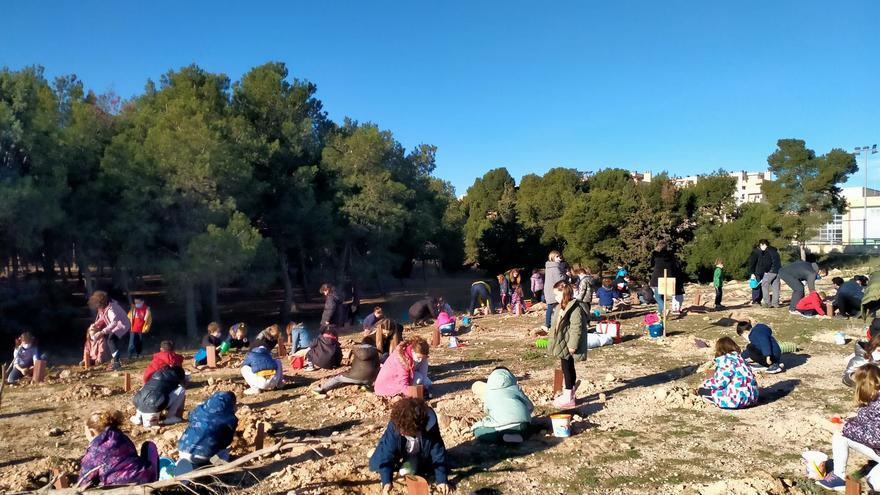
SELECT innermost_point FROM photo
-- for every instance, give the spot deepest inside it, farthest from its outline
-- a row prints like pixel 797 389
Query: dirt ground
pixel 636 428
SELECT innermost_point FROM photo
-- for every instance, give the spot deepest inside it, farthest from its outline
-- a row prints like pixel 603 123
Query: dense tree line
pixel 606 218
pixel 208 183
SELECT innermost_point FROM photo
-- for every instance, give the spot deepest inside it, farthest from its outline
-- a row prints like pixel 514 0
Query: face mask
pixel 763 248
pixel 558 294
pixel 418 359
pixel 139 305
pixel 25 346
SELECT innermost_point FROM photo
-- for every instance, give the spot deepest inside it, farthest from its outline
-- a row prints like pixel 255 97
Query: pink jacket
pixel 395 375
pixel 97 349
pixel 114 319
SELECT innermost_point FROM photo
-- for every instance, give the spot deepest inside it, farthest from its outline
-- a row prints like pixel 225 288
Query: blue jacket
pixel 391 451
pixel 211 426
pixel 259 359
pixel 607 296
pixel 762 337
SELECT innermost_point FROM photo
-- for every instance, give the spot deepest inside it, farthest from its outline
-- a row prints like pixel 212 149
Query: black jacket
pixel 761 262
pixel 665 260
pixel 335 311
pixel 364 364
pixel 422 309
pixel 153 396
pixel 325 353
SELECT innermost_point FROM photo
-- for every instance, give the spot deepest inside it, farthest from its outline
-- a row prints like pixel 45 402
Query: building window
pixel 743 196
pixel 832 233
pixel 744 188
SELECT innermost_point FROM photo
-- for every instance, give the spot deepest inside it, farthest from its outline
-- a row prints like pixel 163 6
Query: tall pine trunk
pixel 284 266
pixel 190 294
pixel 215 306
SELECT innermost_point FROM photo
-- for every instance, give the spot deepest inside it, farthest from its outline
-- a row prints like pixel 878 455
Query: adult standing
pixel 481 293
pixel 335 312
pixel 568 340
pixel 795 275
pixel 848 301
pixel 113 321
pixel 768 265
pixel 663 260
pixel 554 272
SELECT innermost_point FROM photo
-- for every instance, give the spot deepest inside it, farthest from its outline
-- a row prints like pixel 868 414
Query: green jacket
pixel 568 329
pixel 716 280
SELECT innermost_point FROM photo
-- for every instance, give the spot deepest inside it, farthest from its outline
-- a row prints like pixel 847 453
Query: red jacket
pixel 160 360
pixel 812 301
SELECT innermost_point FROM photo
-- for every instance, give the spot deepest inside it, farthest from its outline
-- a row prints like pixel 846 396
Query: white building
pixel 748 185
pixel 851 228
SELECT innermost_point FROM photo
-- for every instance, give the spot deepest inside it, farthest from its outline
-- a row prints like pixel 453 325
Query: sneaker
pixel 135 420
pixel 171 420
pixel 512 438
pixel 794 312
pixel 832 482
pixel 309 367
pixel 317 391
pixel 756 365
pixel 773 369
pixel 116 366
pixel 252 391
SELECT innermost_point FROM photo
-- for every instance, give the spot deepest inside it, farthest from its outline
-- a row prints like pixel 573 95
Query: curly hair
pixel 101 420
pixel 99 300
pixel 409 415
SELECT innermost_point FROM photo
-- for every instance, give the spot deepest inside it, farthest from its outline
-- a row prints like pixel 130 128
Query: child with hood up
pixel 210 432
pixel 411 444
pixel 733 385
pixel 325 352
pixel 508 409
pixel 406 365
pixel 111 458
pixel 163 389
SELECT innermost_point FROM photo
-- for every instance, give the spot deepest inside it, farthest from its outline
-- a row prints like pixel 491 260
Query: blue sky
pixel 651 85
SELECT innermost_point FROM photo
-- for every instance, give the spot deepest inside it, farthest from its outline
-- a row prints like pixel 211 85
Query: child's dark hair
pixel 213 327
pixel 166 345
pixel 726 345
pixel 606 282
pixel 409 415
pixel 837 281
pixel 743 327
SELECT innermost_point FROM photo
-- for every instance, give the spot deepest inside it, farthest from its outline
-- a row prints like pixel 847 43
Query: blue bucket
pixel 655 330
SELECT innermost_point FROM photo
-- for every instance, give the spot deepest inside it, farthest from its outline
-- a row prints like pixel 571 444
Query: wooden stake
pixel 260 439
pixel 62 480
pixel 853 487
pixel 39 371
pixel 211 353
pixel 665 302
pixel 435 337
pixel 416 391
pixel 416 485
pixel 126 382
pixel 2 381
pixel 86 357
pixel 698 300
pixel 281 350
pixel 557 380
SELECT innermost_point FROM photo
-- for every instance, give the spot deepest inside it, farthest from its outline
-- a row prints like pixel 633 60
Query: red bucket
pixel 297 362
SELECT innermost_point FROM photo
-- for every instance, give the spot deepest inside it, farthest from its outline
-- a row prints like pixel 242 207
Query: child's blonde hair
pixel 822 296
pixel 719 261
pixel 213 327
pixel 101 420
pixel 552 256
pixel 867 378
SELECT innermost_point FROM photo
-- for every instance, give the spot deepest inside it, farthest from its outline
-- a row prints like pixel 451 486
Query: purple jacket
pixel 864 427
pixel 117 462
pixel 115 320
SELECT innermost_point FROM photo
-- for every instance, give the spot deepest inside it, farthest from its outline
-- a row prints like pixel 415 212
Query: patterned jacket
pixel 111 459
pixel 734 385
pixel 864 427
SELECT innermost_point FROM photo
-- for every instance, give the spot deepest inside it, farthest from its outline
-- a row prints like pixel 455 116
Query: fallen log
pixel 304 444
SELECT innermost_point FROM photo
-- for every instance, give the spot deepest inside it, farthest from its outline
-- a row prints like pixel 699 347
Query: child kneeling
pixel 860 433
pixel 25 355
pixel 111 458
pixel 407 365
pixel 210 432
pixel 734 385
pixel 412 444
pixel 261 371
pixel 163 389
pixel 363 371
pixel 508 409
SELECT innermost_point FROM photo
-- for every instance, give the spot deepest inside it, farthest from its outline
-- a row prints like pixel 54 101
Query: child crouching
pixel 210 432
pixel 261 371
pixel 508 409
pixel 163 389
pixel 734 385
pixel 111 457
pixel 412 444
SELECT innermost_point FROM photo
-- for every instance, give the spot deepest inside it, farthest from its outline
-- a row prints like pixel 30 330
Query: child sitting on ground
pixel 734 385
pixel 388 334
pixel 411 444
pixel 445 324
pixel 163 389
pixel 508 409
pixel 213 338
pixel 325 353
pixel 268 337
pixel 238 339
pixel 860 432
pixel 864 353
pixel 210 432
pixel 96 350
pixel 24 356
pixel 363 371
pixel 261 371
pixel 407 365
pixel 111 457
pixel 763 349
pixel 608 294
pixel 811 305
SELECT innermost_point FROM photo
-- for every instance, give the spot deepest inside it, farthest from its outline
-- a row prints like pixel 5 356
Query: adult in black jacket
pixel 423 310
pixel 766 269
pixel 848 301
pixel 163 391
pixel 663 259
pixel 363 371
pixel 336 312
pixel 795 275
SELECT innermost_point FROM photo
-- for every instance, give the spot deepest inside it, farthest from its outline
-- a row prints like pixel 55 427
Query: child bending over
pixel 860 433
pixel 210 431
pixel 238 337
pixel 406 365
pixel 261 371
pixel 508 409
pixel 213 338
pixel 734 385
pixel 163 389
pixel 111 457
pixel 762 348
pixel 95 351
pixel 412 444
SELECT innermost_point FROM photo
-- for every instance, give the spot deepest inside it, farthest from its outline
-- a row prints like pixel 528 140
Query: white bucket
pixel 561 425
pixel 814 463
